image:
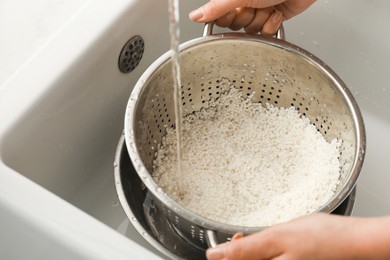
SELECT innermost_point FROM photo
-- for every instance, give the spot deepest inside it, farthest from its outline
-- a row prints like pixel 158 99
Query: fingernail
pixel 277 17
pixel 237 236
pixel 196 14
pixel 215 253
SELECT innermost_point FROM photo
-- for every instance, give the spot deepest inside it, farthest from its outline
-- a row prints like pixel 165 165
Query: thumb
pixel 255 246
pixel 217 8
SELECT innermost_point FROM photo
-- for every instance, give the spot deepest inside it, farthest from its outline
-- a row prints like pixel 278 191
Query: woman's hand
pixel 265 16
pixel 318 236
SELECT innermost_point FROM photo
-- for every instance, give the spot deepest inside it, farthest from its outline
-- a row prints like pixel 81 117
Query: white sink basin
pixel 58 140
pixel 62 116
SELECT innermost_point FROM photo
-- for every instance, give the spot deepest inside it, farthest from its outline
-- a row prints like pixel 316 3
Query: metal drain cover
pixel 131 54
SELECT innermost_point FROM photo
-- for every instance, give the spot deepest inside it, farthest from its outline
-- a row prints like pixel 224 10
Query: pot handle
pixel 208 30
pixel 211 238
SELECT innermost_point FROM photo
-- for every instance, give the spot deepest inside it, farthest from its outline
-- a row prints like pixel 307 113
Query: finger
pixel 217 8
pixel 226 19
pixel 237 236
pixel 290 10
pixel 273 24
pixel 261 16
pixel 213 10
pixel 255 246
pixel 243 17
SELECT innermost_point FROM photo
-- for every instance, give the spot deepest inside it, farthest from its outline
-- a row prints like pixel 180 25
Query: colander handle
pixel 208 30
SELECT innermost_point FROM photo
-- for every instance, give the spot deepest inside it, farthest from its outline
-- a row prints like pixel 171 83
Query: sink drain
pixel 131 54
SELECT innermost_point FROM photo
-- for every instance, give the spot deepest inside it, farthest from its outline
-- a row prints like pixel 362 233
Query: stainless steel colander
pixel 278 72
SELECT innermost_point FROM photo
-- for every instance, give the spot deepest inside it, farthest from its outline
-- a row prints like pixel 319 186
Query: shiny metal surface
pixel 151 222
pixel 278 72
pixel 208 31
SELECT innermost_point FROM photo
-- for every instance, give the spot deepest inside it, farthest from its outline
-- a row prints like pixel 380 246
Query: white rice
pixel 247 165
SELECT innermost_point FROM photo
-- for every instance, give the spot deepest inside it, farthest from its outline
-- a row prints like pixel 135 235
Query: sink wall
pixel 66 137
pixel 350 37
pixel 67 116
